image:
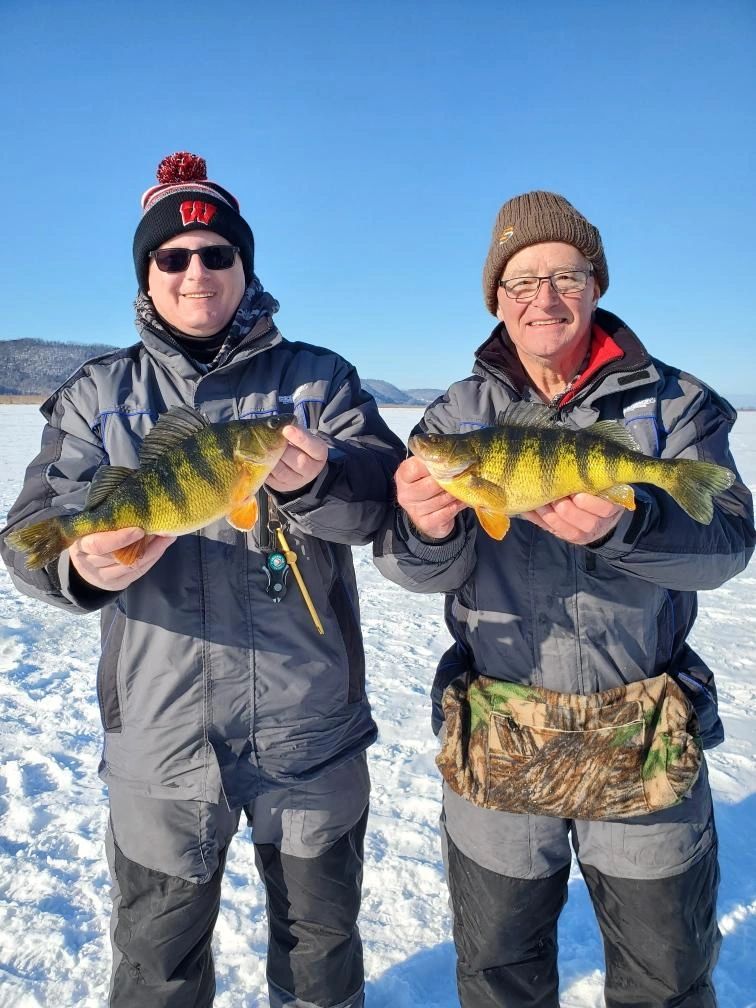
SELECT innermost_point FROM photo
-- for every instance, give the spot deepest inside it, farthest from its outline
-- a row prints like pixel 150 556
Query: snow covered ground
pixel 54 898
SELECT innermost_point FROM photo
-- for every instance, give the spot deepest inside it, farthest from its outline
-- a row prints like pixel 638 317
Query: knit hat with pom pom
pixel 184 200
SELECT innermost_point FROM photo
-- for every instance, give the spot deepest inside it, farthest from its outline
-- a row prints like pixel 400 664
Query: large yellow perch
pixel 526 460
pixel 190 473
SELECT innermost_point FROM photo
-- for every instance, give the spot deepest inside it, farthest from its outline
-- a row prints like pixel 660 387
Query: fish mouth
pixel 436 457
pixel 422 446
pixel 447 471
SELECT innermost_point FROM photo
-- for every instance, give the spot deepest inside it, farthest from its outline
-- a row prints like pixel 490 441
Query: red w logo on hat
pixel 196 212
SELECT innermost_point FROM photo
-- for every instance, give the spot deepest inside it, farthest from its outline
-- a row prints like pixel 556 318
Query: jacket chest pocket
pixel 122 432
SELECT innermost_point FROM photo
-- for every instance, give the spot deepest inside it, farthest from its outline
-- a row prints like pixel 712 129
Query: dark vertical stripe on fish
pixel 209 461
pixel 169 481
pixel 587 460
pixel 138 501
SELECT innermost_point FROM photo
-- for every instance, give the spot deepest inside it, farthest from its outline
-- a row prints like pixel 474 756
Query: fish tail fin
pixel 41 543
pixel 695 484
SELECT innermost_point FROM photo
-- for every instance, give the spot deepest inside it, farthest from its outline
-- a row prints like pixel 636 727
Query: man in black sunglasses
pixel 214 699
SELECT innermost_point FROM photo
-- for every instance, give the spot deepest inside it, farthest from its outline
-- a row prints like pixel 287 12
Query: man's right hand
pixel 93 560
pixel 430 508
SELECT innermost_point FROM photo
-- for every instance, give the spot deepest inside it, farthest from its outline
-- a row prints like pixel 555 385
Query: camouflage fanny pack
pixel 625 752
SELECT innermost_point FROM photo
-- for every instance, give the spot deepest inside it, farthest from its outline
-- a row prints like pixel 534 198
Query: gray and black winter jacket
pixel 535 609
pixel 208 690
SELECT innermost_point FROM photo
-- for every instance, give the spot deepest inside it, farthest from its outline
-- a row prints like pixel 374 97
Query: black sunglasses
pixel 176 260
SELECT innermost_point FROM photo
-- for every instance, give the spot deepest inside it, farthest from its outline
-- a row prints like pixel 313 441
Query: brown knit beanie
pixel 539 217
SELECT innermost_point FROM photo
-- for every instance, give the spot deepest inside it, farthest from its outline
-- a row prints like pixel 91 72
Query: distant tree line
pixel 37 367
pixel 34 367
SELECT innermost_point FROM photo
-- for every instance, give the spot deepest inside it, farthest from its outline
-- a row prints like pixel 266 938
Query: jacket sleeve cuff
pixel 440 551
pixel 628 530
pixel 73 587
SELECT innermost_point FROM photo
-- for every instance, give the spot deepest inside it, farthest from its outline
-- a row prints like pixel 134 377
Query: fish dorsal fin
pixel 614 431
pixel 105 481
pixel 532 414
pixel 173 427
pixel 526 414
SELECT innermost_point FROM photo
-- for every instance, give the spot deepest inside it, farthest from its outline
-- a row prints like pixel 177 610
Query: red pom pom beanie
pixel 184 200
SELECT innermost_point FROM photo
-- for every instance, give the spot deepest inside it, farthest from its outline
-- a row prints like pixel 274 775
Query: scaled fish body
pixel 190 473
pixel 527 460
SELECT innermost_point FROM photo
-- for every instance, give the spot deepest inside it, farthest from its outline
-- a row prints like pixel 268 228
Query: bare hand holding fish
pixel 93 557
pixel 303 460
pixel 430 508
pixel 579 519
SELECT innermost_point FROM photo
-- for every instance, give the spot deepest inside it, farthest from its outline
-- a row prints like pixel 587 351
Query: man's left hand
pixel 305 458
pixel 579 519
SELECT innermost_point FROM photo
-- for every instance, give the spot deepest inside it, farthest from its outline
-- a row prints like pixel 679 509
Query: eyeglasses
pixel 565 282
pixel 176 260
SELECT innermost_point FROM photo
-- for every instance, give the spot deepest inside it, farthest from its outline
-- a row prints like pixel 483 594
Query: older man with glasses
pixel 579 607
pixel 215 700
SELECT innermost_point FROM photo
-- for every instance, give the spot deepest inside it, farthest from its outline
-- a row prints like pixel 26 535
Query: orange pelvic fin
pixel 244 516
pixel 128 555
pixel 495 523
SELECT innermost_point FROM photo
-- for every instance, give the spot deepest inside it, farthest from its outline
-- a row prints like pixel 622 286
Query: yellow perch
pixel 527 460
pixel 190 473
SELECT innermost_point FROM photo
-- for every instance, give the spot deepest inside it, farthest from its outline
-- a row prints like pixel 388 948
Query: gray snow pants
pixel 167 860
pixel 652 880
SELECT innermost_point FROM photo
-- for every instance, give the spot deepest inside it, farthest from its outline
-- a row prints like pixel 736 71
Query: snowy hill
pixel 37 367
pixel 386 394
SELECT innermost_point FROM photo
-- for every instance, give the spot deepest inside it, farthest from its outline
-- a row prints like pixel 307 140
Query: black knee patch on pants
pixel 315 951
pixel 505 934
pixel 163 932
pixel 661 938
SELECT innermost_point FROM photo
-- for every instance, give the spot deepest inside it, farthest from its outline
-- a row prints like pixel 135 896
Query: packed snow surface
pixel 54 887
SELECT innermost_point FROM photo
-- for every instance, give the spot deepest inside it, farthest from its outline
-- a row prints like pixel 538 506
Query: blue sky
pixel 371 145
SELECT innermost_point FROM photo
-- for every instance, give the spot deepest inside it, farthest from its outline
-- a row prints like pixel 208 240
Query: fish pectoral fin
pixel 244 516
pixel 250 477
pixel 621 494
pixel 128 555
pixel 486 494
pixel 494 522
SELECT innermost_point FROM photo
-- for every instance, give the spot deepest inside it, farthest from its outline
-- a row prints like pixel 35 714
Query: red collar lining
pixel 603 351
